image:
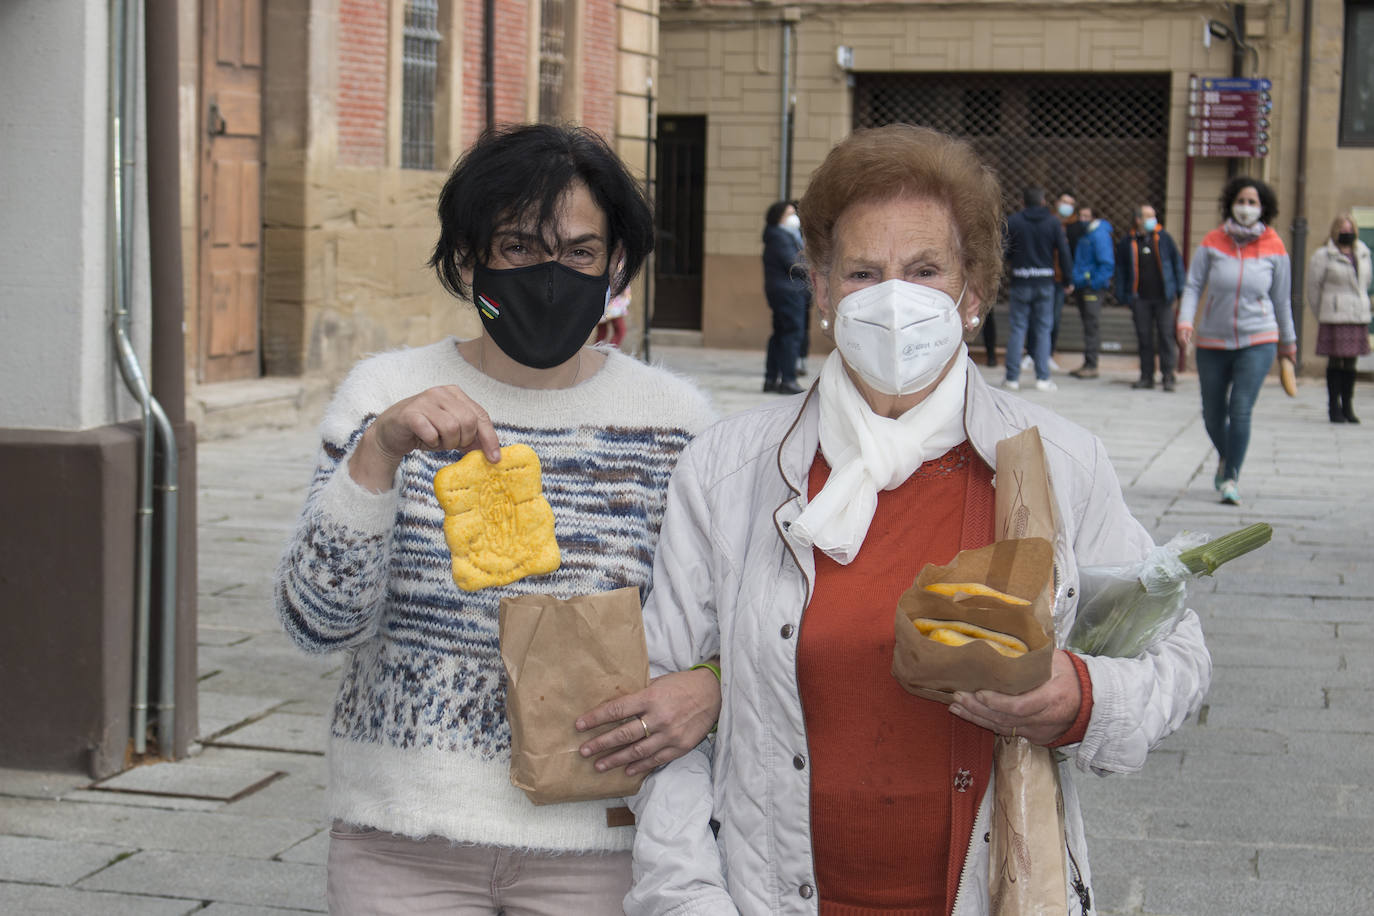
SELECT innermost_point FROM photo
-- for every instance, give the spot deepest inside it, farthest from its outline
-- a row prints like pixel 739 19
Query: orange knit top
pixel 896 779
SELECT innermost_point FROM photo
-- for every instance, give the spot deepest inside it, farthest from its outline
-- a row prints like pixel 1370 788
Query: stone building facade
pixel 348 182
pixel 1116 76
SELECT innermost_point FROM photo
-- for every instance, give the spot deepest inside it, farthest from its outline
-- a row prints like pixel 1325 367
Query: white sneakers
pixel 1028 364
pixel 1041 384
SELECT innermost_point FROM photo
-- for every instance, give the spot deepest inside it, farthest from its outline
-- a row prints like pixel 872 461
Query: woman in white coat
pixel 1338 292
pixel 792 530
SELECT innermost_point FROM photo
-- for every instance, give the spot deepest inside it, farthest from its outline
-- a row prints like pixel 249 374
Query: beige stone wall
pixel 345 248
pixel 637 50
pixel 725 63
pixel 1338 178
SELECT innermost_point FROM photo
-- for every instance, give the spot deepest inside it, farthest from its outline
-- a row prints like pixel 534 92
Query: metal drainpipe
pixel 123 73
pixel 489 59
pixel 169 340
pixel 1298 256
pixel 784 163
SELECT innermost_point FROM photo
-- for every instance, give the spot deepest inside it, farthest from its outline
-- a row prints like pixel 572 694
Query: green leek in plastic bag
pixel 1125 608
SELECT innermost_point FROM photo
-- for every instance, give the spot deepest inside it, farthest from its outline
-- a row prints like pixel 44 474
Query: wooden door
pixel 230 189
pixel 680 209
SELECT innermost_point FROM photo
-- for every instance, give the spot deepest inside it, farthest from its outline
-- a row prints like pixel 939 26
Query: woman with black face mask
pixel 532 218
pixel 1338 279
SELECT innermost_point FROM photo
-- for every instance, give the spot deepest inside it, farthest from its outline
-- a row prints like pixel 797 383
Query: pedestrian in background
pixel 784 286
pixel 1035 241
pixel 1149 276
pixel 1243 320
pixel 1337 291
pixel 611 328
pixel 1094 263
pixel 793 225
pixel 1067 210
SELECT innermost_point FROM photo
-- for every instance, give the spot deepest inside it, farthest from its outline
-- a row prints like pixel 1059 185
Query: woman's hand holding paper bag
pixel 1040 715
pixel 661 722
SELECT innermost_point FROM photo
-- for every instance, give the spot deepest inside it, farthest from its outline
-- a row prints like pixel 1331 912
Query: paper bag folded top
pixel 1020 568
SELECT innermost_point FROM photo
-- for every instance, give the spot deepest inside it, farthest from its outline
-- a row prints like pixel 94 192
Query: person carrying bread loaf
pixel 792 530
pixel 539 226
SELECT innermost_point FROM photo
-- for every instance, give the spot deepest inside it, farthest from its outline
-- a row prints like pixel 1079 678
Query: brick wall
pixel 362 99
pixel 512 59
pixel 599 67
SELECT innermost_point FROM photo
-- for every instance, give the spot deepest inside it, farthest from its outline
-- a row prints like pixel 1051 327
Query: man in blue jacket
pixel 1149 277
pixel 1093 265
pixel 1034 237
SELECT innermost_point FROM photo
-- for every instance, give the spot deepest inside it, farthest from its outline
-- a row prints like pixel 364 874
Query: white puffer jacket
pixel 1338 291
pixel 728 579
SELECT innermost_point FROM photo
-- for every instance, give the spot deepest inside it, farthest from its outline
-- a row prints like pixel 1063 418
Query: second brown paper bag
pixel 1027 873
pixel 563 658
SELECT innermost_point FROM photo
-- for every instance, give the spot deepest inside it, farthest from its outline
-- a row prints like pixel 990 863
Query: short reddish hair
pixel 902 160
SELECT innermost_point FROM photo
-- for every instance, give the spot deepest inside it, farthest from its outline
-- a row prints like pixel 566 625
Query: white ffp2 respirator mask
pixel 898 336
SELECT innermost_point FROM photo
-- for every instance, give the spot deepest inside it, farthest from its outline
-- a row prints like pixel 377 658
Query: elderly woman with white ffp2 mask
pixel 792 530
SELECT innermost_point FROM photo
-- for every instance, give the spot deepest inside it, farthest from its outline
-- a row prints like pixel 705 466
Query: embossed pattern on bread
pixel 498 525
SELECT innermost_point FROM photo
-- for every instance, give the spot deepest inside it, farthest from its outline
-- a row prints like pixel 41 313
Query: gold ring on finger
pixel 645 724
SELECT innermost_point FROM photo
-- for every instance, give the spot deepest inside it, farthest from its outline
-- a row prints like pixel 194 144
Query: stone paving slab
pixel 191 779
pixel 133 800
pixel 219 831
pixel 36 860
pixel 281 731
pixel 220 711
pixel 34 900
pixel 246 881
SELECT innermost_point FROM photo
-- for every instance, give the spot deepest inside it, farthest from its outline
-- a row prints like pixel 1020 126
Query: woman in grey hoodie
pixel 1235 308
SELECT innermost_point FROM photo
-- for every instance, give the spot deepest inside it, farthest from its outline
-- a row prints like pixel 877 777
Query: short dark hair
pixel 1033 197
pixel 1067 193
pixel 520 172
pixel 775 212
pixel 1269 204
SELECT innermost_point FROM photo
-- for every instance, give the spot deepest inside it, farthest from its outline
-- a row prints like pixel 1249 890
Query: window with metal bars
pixel 420 56
pixel 552 59
pixel 1357 77
pixel 1105 137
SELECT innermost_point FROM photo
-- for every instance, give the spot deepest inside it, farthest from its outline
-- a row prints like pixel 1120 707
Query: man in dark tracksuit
pixel 1034 237
pixel 1149 278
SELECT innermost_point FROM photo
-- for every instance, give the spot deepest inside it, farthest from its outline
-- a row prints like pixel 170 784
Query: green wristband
pixel 709 666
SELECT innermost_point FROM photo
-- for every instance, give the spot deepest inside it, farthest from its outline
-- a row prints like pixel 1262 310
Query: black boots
pixel 1340 395
pixel 1348 395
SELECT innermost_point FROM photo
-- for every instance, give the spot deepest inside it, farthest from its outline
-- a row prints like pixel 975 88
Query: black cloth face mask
pixel 1345 238
pixel 542 314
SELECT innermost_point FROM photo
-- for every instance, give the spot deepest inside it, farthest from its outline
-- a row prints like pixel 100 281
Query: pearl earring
pixel 825 324
pixel 974 322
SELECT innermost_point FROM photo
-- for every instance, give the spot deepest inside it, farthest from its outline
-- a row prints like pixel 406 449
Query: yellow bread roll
pixel 959 632
pixel 953 589
pixel 498 525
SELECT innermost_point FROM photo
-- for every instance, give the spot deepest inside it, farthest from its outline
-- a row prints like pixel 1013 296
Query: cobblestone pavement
pixel 1261 804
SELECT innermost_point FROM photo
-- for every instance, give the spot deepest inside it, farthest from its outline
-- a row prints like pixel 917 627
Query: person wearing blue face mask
pixel 1149 278
pixel 539 224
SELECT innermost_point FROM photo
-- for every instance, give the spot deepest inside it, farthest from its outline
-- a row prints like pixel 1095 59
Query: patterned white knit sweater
pixel 419 743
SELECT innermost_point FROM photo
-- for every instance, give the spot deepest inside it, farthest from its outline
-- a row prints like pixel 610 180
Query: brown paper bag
pixel 1021 568
pixel 563 658
pixel 1027 871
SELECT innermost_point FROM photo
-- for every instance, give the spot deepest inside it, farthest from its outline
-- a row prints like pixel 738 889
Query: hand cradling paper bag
pixel 1021 569
pixel 562 658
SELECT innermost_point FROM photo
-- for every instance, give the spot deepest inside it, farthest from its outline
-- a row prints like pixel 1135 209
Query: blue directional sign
pixel 1235 84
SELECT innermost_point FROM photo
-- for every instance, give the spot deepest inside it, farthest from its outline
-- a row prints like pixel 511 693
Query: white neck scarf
pixel 867 452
